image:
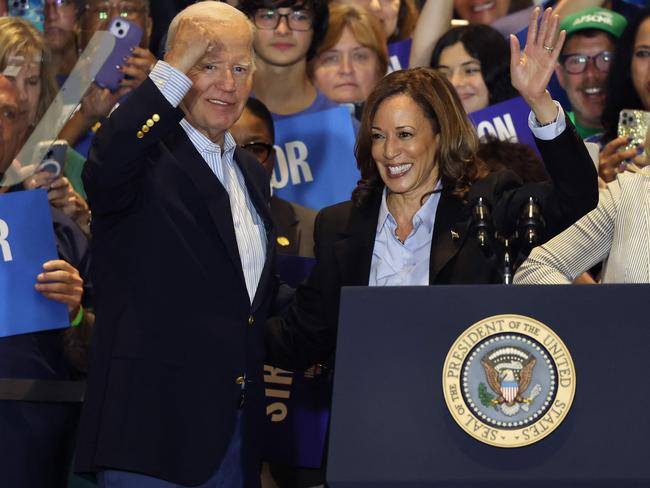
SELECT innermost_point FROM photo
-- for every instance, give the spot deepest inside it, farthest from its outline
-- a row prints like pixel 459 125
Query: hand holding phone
pixel 54 158
pixel 127 37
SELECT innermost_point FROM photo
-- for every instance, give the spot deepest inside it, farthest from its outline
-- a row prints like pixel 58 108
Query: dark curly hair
pixel 491 49
pixel 319 7
pixel 456 157
pixel 620 89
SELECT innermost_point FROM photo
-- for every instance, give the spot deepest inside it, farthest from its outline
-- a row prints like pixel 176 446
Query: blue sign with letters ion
pixel 315 164
pixel 26 242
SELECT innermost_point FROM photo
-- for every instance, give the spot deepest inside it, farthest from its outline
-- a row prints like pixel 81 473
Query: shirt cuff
pixel 172 83
pixel 550 131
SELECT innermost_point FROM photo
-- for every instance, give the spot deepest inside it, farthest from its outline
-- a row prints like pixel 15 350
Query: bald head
pixel 219 13
pixel 9 123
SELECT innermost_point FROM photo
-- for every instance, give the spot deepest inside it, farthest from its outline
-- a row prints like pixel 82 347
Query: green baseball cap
pixel 595 18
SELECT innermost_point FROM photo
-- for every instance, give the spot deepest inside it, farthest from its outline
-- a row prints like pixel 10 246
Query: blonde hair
pixel 18 37
pixel 365 28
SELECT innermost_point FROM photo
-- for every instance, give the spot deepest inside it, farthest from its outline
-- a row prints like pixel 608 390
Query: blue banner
pixel 315 164
pixel 26 242
pixel 399 54
pixel 298 411
pixel 507 121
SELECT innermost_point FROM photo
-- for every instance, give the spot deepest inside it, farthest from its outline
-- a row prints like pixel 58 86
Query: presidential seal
pixel 509 381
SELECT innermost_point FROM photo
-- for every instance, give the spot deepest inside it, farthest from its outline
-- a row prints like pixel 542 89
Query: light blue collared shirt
pixel 397 264
pixel 249 227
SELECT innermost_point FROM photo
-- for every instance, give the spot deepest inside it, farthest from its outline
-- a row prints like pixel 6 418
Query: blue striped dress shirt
pixel 249 227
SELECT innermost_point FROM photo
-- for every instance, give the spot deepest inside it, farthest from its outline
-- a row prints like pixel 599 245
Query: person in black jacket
pixel 409 219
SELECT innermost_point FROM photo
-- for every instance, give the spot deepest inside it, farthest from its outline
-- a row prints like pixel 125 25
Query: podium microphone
pixel 531 224
pixel 483 223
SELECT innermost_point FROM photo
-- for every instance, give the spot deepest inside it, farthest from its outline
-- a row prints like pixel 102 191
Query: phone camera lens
pixel 49 154
pixel 120 32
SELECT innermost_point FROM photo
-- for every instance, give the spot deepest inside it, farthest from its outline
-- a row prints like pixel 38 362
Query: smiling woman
pixel 476 59
pixel 409 219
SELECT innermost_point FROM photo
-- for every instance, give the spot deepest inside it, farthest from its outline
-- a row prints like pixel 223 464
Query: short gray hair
pixel 220 11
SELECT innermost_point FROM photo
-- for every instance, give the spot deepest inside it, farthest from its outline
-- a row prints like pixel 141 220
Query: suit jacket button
pixel 140 134
pixel 155 117
pixel 240 380
pixel 145 128
pixel 150 122
pixel 251 320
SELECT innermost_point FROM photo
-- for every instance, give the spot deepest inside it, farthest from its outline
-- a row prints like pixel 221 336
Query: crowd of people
pixel 167 229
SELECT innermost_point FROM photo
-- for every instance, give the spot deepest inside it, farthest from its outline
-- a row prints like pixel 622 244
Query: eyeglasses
pixel 126 10
pixel 261 150
pixel 577 63
pixel 297 20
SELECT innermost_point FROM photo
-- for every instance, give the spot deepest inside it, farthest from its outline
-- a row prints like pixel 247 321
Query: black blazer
pixel 295 228
pixel 345 236
pixel 175 332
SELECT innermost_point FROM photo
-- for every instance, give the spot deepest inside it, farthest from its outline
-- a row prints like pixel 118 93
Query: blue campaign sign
pixel 507 121
pixel 26 242
pixel 315 165
pixel 399 54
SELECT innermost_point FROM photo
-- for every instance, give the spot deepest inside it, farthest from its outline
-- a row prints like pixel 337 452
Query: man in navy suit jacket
pixel 183 258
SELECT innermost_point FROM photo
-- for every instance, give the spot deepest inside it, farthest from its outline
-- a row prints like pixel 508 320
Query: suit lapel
pixel 210 190
pixel 449 232
pixel 354 250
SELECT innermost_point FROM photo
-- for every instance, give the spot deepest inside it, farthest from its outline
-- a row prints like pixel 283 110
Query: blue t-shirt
pixel 320 103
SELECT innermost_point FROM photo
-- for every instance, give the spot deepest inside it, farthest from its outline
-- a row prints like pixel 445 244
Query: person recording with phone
pixel 628 87
pixel 25 60
pixel 38 423
pixel 98 101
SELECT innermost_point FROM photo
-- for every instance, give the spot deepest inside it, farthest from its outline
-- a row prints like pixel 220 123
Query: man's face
pixel 99 13
pixel 9 123
pixel 586 90
pixel 282 45
pixel 222 80
pixel 60 24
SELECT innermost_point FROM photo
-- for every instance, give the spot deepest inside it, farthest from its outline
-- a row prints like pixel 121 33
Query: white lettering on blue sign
pixel 501 127
pixel 4 244
pixel 291 163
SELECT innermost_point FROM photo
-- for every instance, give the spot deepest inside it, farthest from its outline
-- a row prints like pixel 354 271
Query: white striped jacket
pixel 619 227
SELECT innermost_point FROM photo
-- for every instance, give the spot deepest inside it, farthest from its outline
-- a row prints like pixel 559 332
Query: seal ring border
pixel 566 393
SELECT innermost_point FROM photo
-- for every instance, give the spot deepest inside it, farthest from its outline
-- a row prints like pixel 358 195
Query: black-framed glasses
pixel 106 10
pixel 261 150
pixel 577 63
pixel 297 20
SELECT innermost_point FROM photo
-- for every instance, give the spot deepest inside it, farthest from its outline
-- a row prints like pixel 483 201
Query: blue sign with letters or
pixel 26 242
pixel 315 164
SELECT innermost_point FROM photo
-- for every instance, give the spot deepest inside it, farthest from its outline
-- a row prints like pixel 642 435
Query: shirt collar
pixel 425 215
pixel 204 145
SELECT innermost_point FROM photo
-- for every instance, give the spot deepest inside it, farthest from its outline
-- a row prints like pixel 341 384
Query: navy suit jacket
pixel 175 333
